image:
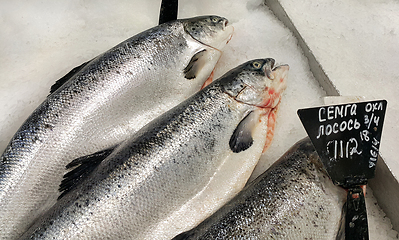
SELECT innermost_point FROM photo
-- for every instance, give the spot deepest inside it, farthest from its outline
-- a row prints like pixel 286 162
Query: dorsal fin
pixel 65 78
pixel 241 139
pixel 83 167
pixel 195 65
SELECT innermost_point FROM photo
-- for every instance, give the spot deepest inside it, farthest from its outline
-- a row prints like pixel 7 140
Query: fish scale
pixel 100 104
pixel 293 199
pixel 175 171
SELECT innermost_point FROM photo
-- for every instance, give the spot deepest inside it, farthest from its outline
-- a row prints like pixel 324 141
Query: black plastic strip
pixel 356 227
pixel 168 11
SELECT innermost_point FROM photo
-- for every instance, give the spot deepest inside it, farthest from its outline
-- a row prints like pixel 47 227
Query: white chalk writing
pixel 340 149
pixel 338 127
pixel 334 112
pixel 372 119
pixel 364 135
pixel 374 152
pixel 371 107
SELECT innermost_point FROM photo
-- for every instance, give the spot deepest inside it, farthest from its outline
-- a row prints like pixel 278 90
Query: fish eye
pixel 215 20
pixel 256 65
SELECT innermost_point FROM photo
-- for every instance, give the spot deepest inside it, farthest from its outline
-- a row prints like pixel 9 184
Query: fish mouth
pixel 272 69
pixel 276 72
pixel 280 73
pixel 226 21
pixel 224 38
pixel 268 68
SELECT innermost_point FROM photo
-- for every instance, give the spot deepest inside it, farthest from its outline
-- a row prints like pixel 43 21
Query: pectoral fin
pixel 65 78
pixel 195 65
pixel 242 139
pixel 83 167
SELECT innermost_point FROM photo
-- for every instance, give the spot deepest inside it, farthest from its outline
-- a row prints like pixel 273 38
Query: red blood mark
pixel 265 113
pixel 271 124
pixel 231 36
pixel 270 101
pixel 208 81
pixel 281 80
pixel 271 91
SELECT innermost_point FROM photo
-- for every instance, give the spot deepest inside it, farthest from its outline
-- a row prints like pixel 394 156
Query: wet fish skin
pixel 293 199
pixel 103 103
pixel 159 182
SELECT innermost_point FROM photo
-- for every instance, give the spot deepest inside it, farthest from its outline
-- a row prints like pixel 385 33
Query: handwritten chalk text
pixel 341 149
pixel 338 127
pixel 333 112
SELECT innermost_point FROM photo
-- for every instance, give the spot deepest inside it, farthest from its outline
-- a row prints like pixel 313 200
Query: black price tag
pixel 347 139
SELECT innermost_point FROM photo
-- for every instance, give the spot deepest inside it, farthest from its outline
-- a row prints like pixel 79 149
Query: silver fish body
pixel 293 199
pixel 175 171
pixel 102 104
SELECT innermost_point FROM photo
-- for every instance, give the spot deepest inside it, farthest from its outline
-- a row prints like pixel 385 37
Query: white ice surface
pixel 40 41
pixel 357 43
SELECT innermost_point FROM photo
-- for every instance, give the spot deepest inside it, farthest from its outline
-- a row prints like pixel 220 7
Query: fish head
pixel 212 31
pixel 256 86
pixel 259 83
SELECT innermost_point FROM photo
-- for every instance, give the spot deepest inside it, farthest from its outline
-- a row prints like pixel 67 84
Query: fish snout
pixel 212 31
pixel 280 73
pixel 226 36
pixel 225 22
pixel 222 36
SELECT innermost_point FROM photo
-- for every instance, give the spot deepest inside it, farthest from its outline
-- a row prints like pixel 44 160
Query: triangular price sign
pixel 347 139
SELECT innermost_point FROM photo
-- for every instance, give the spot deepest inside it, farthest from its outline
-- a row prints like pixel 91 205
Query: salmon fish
pixel 101 103
pixel 293 199
pixel 175 171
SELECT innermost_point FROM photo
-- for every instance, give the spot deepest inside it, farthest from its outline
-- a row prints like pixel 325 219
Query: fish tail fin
pixel 82 167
